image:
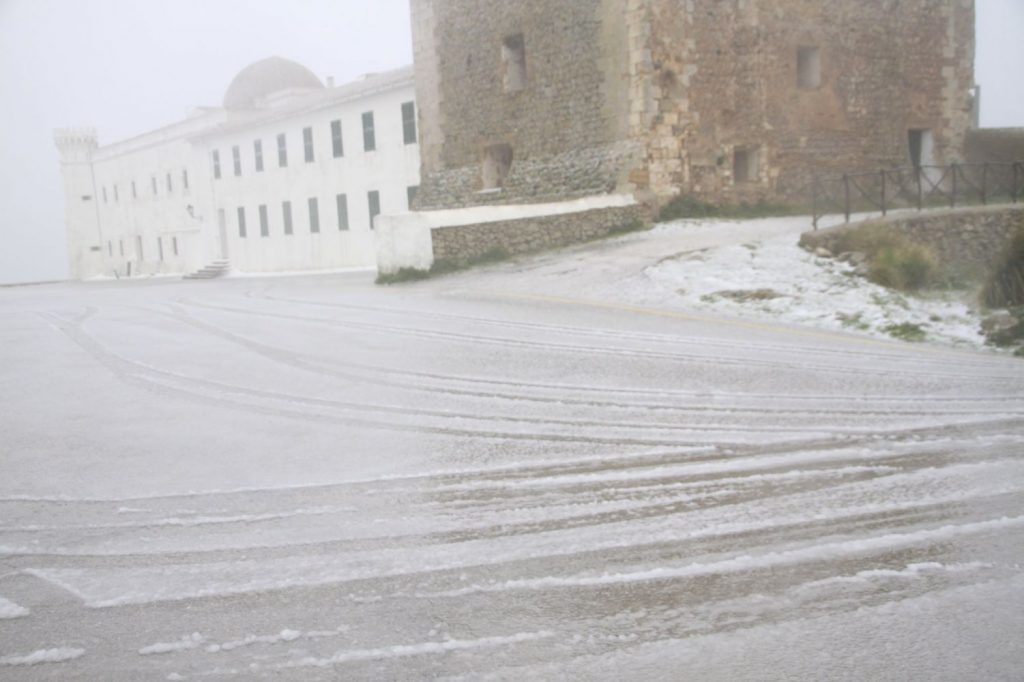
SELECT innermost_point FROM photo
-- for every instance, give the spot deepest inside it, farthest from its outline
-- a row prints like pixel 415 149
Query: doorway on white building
pixel 222 228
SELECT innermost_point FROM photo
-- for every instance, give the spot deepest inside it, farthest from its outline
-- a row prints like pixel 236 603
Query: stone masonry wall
pixel 566 126
pixel 969 236
pixel 721 76
pixel 466 243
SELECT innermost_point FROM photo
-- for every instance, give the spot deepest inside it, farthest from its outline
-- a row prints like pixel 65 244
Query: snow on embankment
pixel 777 280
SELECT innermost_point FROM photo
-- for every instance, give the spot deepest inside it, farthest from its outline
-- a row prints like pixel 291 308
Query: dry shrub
pixel 1005 285
pixel 893 260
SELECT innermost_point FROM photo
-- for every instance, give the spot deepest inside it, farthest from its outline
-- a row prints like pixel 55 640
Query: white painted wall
pixel 390 170
pixel 158 220
pixel 161 221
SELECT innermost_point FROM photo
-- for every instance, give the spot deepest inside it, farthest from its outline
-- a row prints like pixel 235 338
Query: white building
pixel 287 175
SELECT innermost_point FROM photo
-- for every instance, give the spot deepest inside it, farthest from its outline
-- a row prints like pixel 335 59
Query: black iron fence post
pixel 846 196
pixel 883 194
pixel 814 202
pixel 920 190
pixel 1016 172
pixel 952 194
pixel 984 184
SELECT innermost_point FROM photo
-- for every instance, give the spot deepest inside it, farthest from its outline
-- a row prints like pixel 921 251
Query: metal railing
pixel 924 187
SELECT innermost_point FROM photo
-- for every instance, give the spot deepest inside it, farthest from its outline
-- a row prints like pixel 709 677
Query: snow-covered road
pixel 315 478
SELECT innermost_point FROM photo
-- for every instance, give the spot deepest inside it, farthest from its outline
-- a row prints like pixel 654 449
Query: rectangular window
pixel 373 199
pixel 497 163
pixel 104 195
pixel 135 195
pixel 369 137
pixel 86 197
pixel 152 184
pixel 184 179
pixel 744 166
pixel 216 164
pixel 170 188
pixel 513 61
pixel 337 145
pixel 808 68
pixel 409 122
pixel 307 144
pixel 110 248
pixel 241 222
pixel 174 245
pixel 286 209
pixel 314 215
pixel 160 248
pixel 282 151
pixel 257 150
pixel 342 202
pixel 264 223
pixel 117 198
pixel 138 247
pixel 120 247
pixel 236 157
pixel 410 194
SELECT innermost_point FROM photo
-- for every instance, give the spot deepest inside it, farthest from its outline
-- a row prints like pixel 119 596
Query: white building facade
pixel 287 175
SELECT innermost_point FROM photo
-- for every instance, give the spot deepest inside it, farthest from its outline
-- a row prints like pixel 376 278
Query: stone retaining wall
pixel 466 243
pixel 968 236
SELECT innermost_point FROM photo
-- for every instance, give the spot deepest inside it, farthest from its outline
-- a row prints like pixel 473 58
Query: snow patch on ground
pixel 286 635
pixel 9 609
pixel 185 643
pixel 775 279
pixel 405 650
pixel 58 655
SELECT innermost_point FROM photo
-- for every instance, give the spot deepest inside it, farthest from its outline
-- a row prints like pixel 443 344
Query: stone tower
pixel 724 100
pixel 84 233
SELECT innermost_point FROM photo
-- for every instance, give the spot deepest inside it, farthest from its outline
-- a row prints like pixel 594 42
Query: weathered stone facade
pixel 467 243
pixel 995 145
pixel 967 236
pixel 727 100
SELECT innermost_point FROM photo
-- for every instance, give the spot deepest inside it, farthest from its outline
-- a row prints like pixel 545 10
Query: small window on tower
pixel 497 162
pixel 744 166
pixel 513 60
pixel 808 68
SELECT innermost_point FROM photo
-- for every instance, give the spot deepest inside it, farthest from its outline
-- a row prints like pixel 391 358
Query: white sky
pixel 128 66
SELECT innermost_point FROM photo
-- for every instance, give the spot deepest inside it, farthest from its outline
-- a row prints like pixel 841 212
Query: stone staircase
pixel 217 268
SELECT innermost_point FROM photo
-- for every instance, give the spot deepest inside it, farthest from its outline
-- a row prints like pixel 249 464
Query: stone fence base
pixel 463 236
pixel 966 236
pixel 467 243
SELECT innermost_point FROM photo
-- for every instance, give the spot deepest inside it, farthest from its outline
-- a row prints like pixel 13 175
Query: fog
pixel 128 67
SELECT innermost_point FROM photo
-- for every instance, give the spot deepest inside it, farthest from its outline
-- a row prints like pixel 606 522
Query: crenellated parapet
pixel 76 145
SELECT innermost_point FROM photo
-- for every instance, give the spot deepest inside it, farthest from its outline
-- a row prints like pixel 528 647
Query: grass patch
pixel 1004 287
pixel 684 206
pixel 906 331
pixel 742 295
pixel 444 266
pixel 626 228
pixel 854 321
pixel 403 275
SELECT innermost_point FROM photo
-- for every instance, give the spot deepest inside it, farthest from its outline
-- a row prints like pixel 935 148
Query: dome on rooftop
pixel 266 77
